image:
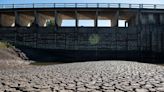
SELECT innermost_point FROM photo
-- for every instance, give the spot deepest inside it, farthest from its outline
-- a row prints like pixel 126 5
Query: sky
pixel 82 1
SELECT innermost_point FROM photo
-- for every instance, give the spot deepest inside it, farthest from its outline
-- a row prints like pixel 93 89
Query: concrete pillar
pixel 157 18
pixel 77 19
pixel 151 19
pixel 96 20
pixel 36 19
pixel 0 20
pixel 138 18
pixel 56 19
pixel 59 20
pixel 143 19
pixel 114 20
pixel 17 17
pixel 161 19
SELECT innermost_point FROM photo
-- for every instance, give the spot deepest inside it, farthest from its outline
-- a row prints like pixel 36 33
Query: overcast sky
pixel 82 1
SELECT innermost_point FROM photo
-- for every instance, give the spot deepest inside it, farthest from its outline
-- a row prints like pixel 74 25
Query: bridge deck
pixel 82 5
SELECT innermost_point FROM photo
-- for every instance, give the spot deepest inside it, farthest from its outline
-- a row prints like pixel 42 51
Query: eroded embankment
pixel 11 57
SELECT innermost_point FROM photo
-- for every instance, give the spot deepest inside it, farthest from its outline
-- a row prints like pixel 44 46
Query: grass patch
pixel 4 45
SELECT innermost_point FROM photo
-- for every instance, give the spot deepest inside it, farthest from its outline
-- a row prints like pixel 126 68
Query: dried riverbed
pixel 100 76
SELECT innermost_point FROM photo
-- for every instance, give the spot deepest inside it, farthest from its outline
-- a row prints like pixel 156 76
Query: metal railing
pixel 82 5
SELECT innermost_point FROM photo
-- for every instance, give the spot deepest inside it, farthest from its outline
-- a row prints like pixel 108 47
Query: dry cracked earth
pixel 102 76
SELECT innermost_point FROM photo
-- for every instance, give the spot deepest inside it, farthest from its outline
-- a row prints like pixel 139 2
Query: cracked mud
pixel 102 76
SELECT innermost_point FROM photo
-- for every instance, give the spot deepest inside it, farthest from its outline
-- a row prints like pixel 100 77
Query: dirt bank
pixel 11 57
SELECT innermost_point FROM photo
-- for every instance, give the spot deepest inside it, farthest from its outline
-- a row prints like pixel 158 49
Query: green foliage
pixel 4 44
pixel 94 39
pixel 51 24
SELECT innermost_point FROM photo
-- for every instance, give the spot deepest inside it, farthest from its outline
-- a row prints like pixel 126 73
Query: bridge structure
pixel 39 26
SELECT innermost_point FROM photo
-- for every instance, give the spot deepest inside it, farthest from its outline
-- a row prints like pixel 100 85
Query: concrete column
pixel 17 19
pixel 36 19
pixel 0 20
pixel 143 19
pixel 158 18
pixel 76 20
pixel 161 19
pixel 138 18
pixel 59 20
pixel 114 20
pixel 96 19
pixel 151 19
pixel 56 19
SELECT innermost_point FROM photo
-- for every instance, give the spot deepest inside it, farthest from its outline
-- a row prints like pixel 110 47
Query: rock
pixel 109 91
pixel 81 89
pixel 160 89
pixel 141 90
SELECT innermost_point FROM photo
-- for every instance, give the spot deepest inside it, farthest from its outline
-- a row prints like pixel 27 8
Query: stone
pixel 92 86
pixel 108 90
pixel 160 89
pixel 81 89
pixel 141 90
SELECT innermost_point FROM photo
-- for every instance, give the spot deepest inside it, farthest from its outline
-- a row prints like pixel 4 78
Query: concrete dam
pixel 111 31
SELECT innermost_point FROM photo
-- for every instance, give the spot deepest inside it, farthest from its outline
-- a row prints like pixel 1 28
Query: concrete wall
pixel 146 38
pixel 146 42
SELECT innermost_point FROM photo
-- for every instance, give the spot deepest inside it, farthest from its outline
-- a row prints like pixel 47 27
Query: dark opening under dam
pixel 130 31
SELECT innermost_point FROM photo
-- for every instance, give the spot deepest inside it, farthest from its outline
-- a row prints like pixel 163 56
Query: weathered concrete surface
pixel 7 20
pixel 133 17
pixel 103 76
